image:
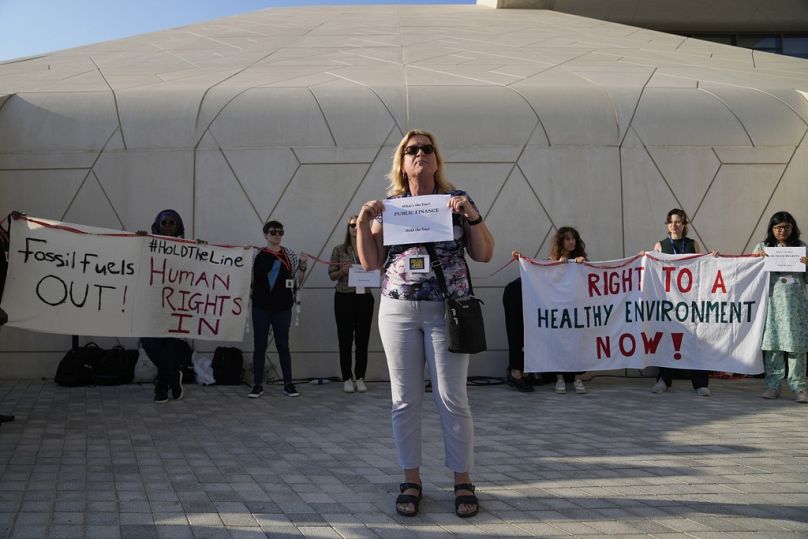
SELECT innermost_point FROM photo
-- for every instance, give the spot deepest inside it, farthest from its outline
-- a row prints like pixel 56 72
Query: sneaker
pixel 579 386
pixel 290 391
pixel 802 396
pixel 659 387
pixel 256 392
pixel 160 396
pixel 360 386
pixel 348 386
pixel 703 392
pixel 771 393
pixel 560 387
pixel 176 389
pixel 520 384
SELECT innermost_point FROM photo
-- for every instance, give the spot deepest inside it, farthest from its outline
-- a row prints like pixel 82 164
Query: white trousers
pixel 413 334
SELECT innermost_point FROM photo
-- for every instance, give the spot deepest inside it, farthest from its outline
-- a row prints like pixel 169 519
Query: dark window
pixel 796 46
pixel 788 44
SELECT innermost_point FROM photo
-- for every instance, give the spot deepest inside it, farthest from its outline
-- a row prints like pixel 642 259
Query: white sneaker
pixel 659 387
pixel 703 392
pixel 802 396
pixel 771 393
pixel 360 385
pixel 560 387
pixel 579 386
pixel 348 386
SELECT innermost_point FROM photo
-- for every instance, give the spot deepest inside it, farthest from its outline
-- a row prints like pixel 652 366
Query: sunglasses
pixel 168 222
pixel 275 232
pixel 413 150
pixel 352 225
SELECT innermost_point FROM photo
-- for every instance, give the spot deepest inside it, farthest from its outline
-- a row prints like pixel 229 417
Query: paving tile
pixel 185 471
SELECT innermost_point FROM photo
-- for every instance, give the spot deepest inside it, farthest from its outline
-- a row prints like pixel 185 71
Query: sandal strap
pixel 465 486
pixel 466 500
pixel 405 486
pixel 408 498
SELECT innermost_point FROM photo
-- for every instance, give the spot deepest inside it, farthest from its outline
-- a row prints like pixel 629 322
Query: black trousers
pixel 354 314
pixel 514 324
pixel 697 378
pixel 164 352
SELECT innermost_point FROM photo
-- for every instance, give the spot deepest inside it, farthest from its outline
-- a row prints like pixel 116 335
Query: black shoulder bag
pixel 465 330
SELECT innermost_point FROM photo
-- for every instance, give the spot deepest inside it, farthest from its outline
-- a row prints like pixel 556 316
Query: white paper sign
pixel 358 277
pixel 784 259
pixel 422 219
pixel 700 312
pixel 74 280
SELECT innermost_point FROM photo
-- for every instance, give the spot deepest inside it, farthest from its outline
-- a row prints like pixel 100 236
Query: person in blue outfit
pixel 275 282
pixel 164 352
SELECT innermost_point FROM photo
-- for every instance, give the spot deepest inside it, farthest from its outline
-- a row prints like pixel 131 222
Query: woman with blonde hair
pixel 411 318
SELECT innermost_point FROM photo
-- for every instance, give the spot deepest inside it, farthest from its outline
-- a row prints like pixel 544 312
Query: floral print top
pixel 399 283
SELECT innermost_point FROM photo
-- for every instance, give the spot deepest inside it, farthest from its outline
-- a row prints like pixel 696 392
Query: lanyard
pixel 681 249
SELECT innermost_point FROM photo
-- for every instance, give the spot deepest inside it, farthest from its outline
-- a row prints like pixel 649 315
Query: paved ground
pixel 107 462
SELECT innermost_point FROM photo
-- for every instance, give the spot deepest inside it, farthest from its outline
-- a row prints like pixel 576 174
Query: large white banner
pixel 681 311
pixel 77 280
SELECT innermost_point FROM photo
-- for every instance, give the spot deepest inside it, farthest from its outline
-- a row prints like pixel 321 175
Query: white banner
pixel 76 280
pixel 685 311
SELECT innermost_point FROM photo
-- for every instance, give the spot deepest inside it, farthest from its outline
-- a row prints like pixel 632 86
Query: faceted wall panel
pixel 547 119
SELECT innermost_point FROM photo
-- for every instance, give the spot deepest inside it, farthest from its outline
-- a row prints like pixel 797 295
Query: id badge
pixel 418 264
pixel 290 283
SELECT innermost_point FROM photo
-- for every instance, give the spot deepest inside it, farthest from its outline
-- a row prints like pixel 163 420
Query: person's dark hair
pixel 782 217
pixel 155 228
pixel 682 215
pixel 272 224
pixel 347 242
pixel 557 247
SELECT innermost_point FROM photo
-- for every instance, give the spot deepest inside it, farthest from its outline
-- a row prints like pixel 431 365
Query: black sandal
pixel 466 499
pixel 408 498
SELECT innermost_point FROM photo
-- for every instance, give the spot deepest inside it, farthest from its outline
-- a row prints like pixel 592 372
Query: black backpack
pixel 114 367
pixel 228 366
pixel 76 368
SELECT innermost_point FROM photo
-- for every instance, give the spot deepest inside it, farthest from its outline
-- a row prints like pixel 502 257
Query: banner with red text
pixel 681 311
pixel 78 280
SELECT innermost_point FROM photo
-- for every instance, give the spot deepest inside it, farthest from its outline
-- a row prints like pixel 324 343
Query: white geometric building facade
pixel 547 119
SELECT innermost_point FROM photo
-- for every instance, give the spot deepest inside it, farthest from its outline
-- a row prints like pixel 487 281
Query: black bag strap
pixel 437 267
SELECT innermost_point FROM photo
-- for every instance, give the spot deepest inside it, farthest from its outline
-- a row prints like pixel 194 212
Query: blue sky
pixel 31 27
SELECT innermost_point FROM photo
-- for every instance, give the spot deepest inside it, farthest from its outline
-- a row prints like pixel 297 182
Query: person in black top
pixel 164 352
pixel 3 315
pixel 275 272
pixel 678 243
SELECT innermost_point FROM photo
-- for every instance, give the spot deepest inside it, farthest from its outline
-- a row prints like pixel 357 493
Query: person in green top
pixel 786 332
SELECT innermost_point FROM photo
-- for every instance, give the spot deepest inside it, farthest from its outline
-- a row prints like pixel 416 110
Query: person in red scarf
pixel 275 281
